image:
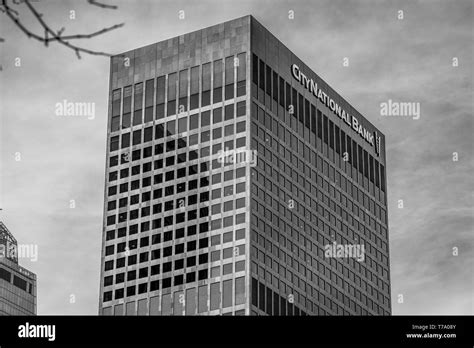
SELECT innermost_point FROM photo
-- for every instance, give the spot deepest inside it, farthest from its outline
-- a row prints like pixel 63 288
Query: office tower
pixel 239 183
pixel 17 284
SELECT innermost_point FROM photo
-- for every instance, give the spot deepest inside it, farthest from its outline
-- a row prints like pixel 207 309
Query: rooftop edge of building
pixel 327 85
pixel 182 35
pixel 13 265
pixel 253 20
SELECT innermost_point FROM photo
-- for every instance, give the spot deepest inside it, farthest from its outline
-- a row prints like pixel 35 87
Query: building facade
pixel 17 284
pixel 232 172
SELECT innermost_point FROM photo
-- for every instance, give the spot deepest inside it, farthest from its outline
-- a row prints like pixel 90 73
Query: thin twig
pixel 50 35
pixel 93 2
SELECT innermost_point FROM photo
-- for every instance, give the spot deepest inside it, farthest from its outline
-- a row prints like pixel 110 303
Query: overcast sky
pixel 405 60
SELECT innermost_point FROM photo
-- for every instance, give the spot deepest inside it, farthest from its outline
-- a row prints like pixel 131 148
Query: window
pixel 240 142
pixel 193 122
pixel 215 296
pixel 137 137
pixel 148 134
pixel 125 140
pixel 229 78
pixel 331 134
pixel 229 130
pixel 217 115
pixel 107 296
pixel 190 298
pixel 294 101
pixel 313 119
pixel 160 90
pixel 216 134
pixel 182 124
pixel 112 190
pixel 119 293
pixel 240 187
pixel 229 112
pixel 112 205
pixel 306 114
pixel 239 290
pixel 240 203
pixel 218 70
pixel 115 124
pixel 300 108
pixel 127 106
pixel 116 103
pixel 377 182
pixel 382 177
pixel 240 127
pixel 203 295
pixel 205 136
pixel 206 84
pixel 172 94
pixel 149 92
pixel 5 275
pixel 194 88
pixel 228 206
pixel 154 285
pixel 288 96
pixel 119 278
pixel 261 74
pixel 254 69
pixel 349 148
pixel 241 73
pixel 325 130
pixel 160 97
pixel 366 164
pixel 320 124
pixel 282 91
pixel 183 91
pixel 354 154
pixel 371 169
pixel 113 161
pixel 138 96
pixel 275 86
pixel 114 143
pixel 138 101
pixel 338 145
pixel 268 81
pixel 227 293
pixel 241 108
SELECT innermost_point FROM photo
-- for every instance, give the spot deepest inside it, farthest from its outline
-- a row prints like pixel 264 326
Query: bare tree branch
pixel 6 9
pixel 56 36
pixel 93 2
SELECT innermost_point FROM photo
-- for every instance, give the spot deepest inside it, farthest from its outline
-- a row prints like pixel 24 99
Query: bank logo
pixel 338 110
pixel 377 143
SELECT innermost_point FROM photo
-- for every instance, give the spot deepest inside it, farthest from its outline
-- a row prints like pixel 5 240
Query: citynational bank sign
pixel 312 86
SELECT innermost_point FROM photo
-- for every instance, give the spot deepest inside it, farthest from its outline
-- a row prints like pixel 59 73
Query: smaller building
pixel 17 284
